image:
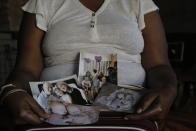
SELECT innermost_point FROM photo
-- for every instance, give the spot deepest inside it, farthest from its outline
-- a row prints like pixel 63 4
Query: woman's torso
pixel 115 31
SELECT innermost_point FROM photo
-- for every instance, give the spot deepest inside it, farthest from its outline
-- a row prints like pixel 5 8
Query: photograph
pixel 115 98
pixel 65 100
pixel 70 114
pixel 96 70
pixel 66 90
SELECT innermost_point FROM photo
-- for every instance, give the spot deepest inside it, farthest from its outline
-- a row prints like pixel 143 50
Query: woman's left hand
pixel 161 78
pixel 155 104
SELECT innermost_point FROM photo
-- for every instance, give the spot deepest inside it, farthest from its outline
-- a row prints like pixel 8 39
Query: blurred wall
pixel 178 15
pixel 10 14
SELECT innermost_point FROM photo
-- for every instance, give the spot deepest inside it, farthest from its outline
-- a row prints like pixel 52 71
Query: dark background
pixel 178 15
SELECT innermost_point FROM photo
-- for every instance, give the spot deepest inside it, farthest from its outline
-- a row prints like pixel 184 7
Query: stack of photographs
pixel 78 100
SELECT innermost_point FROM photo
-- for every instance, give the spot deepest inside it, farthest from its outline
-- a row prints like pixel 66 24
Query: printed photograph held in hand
pixel 65 100
pixel 95 70
pixel 79 100
pixel 114 98
pixel 99 75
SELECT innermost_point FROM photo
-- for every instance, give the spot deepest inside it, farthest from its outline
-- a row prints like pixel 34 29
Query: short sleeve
pixel 37 7
pixel 145 6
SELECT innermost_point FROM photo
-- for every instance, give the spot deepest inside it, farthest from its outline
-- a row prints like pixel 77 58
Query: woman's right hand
pixel 25 109
pixel 29 65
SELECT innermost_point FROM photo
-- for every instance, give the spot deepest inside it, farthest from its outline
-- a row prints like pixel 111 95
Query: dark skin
pixel 29 65
pixel 160 76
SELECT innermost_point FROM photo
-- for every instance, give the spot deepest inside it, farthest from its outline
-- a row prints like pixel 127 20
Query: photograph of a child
pixel 95 70
pixel 71 114
pixel 116 98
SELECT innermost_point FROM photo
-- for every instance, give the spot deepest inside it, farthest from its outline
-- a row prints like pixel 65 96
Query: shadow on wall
pixel 8 50
pixel 178 15
pixel 11 14
pixel 10 18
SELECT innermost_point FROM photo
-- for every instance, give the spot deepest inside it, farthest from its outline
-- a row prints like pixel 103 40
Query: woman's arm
pixel 29 64
pixel 160 77
pixel 155 55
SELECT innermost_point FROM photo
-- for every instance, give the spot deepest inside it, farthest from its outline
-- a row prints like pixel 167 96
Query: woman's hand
pixel 25 109
pixel 29 65
pixel 160 77
pixel 155 104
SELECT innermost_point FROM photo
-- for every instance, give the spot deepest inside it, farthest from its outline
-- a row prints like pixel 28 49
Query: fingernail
pixel 139 111
pixel 48 115
pixel 41 119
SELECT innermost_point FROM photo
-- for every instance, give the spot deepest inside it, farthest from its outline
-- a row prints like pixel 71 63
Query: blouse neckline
pixel 99 11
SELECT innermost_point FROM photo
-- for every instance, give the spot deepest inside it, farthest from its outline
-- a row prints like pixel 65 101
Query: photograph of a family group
pixel 95 70
pixel 66 90
pixel 65 100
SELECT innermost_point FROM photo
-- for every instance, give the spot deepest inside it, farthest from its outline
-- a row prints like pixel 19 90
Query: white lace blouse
pixel 71 27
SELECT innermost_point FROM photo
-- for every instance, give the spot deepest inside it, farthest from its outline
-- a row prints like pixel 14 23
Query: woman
pixel 64 87
pixel 54 32
pixel 60 95
pixel 74 95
